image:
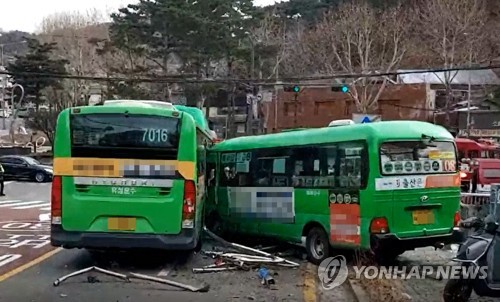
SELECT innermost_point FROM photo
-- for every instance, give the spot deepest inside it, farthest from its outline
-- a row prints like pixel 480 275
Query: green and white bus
pixel 387 187
pixel 129 175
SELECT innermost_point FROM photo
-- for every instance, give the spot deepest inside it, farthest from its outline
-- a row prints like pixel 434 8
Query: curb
pixel 359 292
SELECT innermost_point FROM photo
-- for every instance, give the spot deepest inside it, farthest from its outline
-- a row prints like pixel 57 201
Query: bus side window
pixel 271 167
pixel 306 166
pixel 353 165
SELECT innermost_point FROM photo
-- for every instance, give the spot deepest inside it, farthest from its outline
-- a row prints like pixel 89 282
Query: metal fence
pixel 480 204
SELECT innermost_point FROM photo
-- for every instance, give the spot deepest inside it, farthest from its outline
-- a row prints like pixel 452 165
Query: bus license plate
pixel 423 217
pixel 121 224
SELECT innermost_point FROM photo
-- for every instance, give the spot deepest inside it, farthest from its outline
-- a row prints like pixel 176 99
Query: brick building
pixel 317 106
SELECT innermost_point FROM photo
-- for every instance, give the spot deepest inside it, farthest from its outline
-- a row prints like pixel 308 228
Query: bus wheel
pixel 317 245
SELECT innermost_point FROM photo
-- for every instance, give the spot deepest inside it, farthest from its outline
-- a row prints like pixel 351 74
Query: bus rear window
pixel 120 136
pixel 415 157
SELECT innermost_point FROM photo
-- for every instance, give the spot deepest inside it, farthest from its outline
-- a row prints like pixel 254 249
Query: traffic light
pixel 294 88
pixel 340 88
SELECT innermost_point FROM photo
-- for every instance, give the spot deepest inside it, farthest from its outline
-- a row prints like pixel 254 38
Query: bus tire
pixel 317 245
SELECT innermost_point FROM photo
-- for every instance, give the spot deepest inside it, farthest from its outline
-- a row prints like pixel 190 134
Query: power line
pixel 282 81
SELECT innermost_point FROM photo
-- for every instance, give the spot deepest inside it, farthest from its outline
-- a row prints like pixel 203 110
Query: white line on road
pixel 45 209
pixel 23 203
pixel 9 201
pixel 36 205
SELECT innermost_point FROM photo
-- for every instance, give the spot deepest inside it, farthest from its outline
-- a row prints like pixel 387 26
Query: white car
pixel 5 113
pixel 25 112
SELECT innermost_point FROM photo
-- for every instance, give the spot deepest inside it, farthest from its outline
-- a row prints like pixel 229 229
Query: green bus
pixel 129 175
pixel 387 187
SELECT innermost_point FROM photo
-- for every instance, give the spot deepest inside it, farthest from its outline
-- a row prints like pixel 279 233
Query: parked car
pixel 5 113
pixel 24 167
pixel 25 112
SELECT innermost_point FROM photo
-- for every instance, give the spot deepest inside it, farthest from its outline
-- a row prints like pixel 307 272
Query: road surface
pixel 29 266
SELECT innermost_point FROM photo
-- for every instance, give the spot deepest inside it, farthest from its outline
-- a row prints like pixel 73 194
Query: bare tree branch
pixel 358 38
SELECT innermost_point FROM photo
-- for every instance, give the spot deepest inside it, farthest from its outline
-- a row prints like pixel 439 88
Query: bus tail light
pixel 56 200
pixel 379 225
pixel 189 205
pixel 456 219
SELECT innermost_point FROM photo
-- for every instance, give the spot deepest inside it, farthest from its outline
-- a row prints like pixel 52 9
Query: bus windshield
pixel 132 136
pixel 415 157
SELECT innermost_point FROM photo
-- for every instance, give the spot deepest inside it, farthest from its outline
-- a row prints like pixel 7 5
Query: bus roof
pixel 196 113
pixel 151 103
pixel 386 130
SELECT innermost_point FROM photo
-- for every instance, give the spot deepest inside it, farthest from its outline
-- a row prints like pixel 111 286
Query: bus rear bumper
pixel 391 240
pixel 187 239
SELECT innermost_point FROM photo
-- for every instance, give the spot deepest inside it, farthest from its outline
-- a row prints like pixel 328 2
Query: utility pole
pixel 295 106
pixel 469 93
pixel 4 83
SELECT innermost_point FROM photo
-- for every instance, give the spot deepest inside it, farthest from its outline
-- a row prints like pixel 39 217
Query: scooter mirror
pixel 491 227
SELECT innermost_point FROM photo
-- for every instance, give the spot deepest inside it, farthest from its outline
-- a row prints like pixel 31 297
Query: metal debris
pixel 202 288
pixel 232 260
pixel 88 269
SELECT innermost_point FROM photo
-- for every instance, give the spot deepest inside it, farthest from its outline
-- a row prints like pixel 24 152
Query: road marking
pixel 45 209
pixel 23 203
pixel 29 264
pixel 44 204
pixel 9 201
pixel 310 283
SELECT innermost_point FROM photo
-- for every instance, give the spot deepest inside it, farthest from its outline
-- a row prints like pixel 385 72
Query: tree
pixel 358 38
pixel 71 32
pixel 454 32
pixel 268 44
pixel 37 60
pixel 33 72
pixel 183 37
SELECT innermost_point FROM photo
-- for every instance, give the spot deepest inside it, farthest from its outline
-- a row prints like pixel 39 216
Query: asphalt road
pixel 29 266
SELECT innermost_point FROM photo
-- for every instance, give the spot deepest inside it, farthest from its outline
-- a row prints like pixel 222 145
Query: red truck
pixel 480 164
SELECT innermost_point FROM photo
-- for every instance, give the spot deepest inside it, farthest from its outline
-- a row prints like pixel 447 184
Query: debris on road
pixel 202 288
pixel 246 258
pixel 266 279
pixel 88 269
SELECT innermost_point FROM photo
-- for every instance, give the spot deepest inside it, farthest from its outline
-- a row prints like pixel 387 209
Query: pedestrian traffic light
pixel 294 88
pixel 340 88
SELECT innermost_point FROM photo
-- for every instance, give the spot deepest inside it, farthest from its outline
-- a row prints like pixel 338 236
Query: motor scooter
pixel 481 249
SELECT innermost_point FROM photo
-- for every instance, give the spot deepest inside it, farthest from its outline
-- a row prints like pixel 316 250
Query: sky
pixel 33 11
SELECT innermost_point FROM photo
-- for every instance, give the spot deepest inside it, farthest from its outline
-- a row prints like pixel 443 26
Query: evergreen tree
pixel 197 31
pixel 37 60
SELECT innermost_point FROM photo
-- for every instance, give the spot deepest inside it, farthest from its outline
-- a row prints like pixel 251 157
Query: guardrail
pixel 474 204
pixel 480 204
